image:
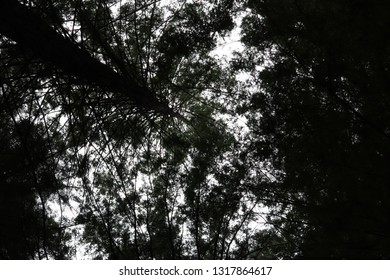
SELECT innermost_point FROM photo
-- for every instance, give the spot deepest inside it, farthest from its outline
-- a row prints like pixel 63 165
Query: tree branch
pixel 31 32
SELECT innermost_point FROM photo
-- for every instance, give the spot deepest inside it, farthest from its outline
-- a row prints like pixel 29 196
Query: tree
pixel 28 229
pixel 127 142
pixel 35 34
pixel 142 179
pixel 324 123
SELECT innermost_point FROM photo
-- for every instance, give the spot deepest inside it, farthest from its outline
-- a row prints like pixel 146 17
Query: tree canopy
pixel 124 137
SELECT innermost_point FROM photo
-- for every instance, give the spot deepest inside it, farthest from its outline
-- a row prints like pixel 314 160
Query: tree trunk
pixel 31 32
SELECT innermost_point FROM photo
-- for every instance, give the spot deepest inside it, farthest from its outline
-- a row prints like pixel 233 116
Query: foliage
pixel 325 122
pixel 119 130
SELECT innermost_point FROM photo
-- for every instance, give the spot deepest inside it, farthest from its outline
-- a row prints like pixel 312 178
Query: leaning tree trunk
pixel 31 32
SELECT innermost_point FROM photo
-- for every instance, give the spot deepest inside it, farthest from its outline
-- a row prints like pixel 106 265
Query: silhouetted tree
pixel 119 130
pixel 324 123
